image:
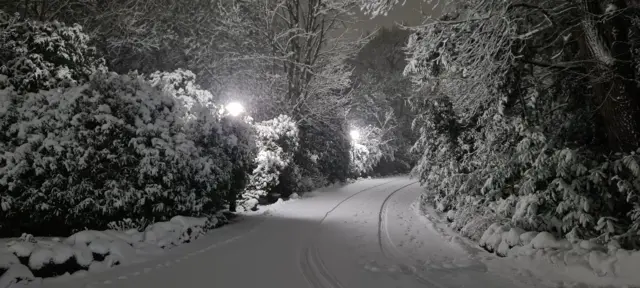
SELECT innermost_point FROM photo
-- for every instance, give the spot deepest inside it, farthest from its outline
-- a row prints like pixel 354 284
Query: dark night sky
pixel 411 13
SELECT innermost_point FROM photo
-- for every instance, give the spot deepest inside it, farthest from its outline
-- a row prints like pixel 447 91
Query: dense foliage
pixel 527 111
pixel 379 105
pixel 116 147
pixel 44 55
pixel 277 142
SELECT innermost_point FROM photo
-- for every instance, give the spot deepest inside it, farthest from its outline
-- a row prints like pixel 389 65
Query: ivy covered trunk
pixel 613 76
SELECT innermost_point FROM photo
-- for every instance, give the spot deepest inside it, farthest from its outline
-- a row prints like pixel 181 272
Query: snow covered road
pixel 365 234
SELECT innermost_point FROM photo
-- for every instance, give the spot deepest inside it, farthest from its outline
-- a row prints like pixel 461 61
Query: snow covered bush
pixel 277 142
pixel 323 157
pixel 498 122
pixel 43 55
pixel 182 85
pixel 227 142
pixel 365 152
pixel 111 149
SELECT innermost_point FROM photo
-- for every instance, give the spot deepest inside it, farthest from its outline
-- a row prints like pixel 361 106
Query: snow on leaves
pixel 277 141
pixel 44 55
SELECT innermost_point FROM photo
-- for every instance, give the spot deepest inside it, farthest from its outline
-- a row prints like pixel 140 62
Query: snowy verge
pixel 577 261
pixel 29 259
pixel 261 209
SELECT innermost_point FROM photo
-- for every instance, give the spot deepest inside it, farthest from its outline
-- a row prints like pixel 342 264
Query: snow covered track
pixel 361 235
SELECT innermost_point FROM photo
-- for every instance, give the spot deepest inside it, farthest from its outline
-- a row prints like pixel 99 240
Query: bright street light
pixel 235 109
pixel 355 134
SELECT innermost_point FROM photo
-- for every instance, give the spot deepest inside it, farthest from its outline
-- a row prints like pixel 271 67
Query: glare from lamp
pixel 234 109
pixel 355 134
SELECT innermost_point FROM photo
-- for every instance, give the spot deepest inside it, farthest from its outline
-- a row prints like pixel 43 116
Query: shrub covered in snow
pixel 182 85
pixel 227 142
pixel 277 141
pixel 43 55
pixel 323 157
pixel 544 147
pixel 365 152
pixel 114 148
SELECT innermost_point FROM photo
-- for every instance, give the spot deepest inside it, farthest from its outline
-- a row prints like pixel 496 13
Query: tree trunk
pixel 614 83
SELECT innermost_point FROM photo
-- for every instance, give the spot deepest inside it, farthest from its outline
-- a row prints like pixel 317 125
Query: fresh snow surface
pixel 366 234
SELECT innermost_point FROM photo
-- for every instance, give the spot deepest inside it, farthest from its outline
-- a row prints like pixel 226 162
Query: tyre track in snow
pixel 311 264
pixel 393 253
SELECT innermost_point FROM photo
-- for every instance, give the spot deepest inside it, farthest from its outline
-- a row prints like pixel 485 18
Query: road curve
pixel 361 235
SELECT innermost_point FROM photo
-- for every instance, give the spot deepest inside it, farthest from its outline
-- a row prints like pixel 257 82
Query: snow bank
pixel 580 261
pixel 7 259
pixel 15 273
pixel 609 264
pixel 27 259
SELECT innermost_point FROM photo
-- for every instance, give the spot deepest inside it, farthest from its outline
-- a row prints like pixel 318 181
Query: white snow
pixel 40 257
pixel 99 246
pixel 526 237
pixel 118 247
pixel 15 273
pixel 189 222
pixel 488 234
pixel 82 254
pixel 21 249
pixel 7 259
pixel 544 240
pixel 61 253
pixel 513 237
pixel 364 234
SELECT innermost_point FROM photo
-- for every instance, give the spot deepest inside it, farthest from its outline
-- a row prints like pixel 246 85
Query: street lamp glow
pixel 355 134
pixel 235 109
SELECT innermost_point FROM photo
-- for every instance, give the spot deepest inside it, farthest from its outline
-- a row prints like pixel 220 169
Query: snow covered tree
pixel 222 137
pixel 182 85
pixel 380 98
pixel 277 142
pixel 303 70
pixel 366 151
pixel 44 55
pixel 507 92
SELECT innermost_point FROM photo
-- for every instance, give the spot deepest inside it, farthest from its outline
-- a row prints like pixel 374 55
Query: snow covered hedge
pixel 83 147
pixel 114 148
pixel 43 55
pixel 277 141
pixel 533 176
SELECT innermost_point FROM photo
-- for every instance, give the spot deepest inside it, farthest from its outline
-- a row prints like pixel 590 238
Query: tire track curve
pixel 311 264
pixel 391 255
